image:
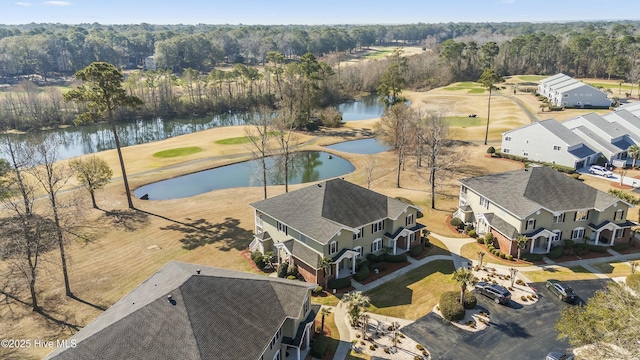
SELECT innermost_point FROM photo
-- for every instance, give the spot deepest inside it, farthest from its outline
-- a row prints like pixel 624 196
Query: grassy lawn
pixel 470 251
pixel 327 299
pixel 560 273
pixel 466 85
pixel 234 141
pixel 437 247
pixel 177 152
pixel 613 86
pixel 476 91
pixel 465 121
pixel 378 53
pixel 613 269
pixel 415 293
pixel 532 77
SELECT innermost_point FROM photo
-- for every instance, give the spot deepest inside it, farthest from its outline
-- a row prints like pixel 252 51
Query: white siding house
pixel 149 63
pixel 562 90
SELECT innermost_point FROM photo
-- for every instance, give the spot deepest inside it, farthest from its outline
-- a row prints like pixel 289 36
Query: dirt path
pixel 522 107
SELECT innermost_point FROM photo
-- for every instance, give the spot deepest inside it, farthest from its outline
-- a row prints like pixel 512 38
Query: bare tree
pixel 369 167
pixel 259 135
pixel 283 126
pixel 393 130
pixel 432 130
pixel 52 176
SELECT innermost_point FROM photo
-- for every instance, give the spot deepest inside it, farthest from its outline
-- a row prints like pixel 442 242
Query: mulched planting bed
pixel 246 254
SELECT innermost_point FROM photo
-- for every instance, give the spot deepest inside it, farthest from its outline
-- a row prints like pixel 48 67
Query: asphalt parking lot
pixel 515 331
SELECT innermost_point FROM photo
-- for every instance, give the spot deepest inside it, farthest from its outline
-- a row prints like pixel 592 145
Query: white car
pixel 600 170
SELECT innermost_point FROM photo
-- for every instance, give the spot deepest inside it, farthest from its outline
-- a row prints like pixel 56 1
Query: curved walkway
pixel 453 245
pixel 532 117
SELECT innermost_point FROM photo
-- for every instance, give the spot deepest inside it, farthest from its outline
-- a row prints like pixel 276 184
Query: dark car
pixel 563 291
pixel 558 356
pixel 495 292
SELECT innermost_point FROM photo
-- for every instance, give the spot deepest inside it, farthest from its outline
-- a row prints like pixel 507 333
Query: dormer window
pixel 531 224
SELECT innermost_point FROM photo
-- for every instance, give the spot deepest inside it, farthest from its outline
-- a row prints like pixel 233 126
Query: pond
pixel 365 108
pixel 307 166
pixel 363 146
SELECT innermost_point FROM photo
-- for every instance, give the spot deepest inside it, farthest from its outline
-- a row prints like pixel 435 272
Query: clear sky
pixel 312 12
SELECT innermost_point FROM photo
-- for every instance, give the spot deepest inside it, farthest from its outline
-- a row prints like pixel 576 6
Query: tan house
pixel 546 206
pixel 191 312
pixel 336 220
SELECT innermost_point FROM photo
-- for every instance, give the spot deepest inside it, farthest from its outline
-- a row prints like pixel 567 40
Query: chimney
pixel 198 271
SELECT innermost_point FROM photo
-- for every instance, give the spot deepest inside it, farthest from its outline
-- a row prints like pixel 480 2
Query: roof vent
pixel 198 271
pixel 526 169
pixel 171 301
pixel 319 185
pixel 169 297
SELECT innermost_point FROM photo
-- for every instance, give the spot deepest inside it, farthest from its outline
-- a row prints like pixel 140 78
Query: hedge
pixel 282 270
pixel 259 262
pixel 450 306
pixel 532 257
pixel 319 347
pixel 362 274
pixel 394 258
pixel 556 252
pixel 470 300
pixel 372 258
pixel 472 233
pixel 456 222
pixel 480 240
pixel 339 283
pixel 256 254
pixel 596 248
pixel 633 281
pixel 416 251
pixel 621 246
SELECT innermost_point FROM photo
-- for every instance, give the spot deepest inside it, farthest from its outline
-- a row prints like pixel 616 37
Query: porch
pixel 401 240
pixel 541 241
pixel 298 347
pixel 345 263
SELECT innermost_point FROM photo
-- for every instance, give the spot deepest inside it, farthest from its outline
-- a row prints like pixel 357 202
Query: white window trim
pixel 531 223
pixel 360 251
pixel 333 247
pixel 615 215
pixel 573 233
pixel 409 220
pixel 615 234
pixel 556 235
pixel 583 218
pixel 484 202
pixel 379 245
pixel 358 235
pixel 412 237
pixel 282 228
pixel 557 219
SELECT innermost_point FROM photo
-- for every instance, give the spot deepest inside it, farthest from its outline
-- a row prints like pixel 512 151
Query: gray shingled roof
pixel 595 137
pixel 218 314
pixel 303 252
pixel 561 131
pixel 320 211
pixel 582 152
pixel 502 226
pixel 522 192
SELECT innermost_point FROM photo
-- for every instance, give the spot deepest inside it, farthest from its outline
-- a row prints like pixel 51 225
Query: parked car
pixel 564 292
pixel 559 356
pixel 495 292
pixel 600 170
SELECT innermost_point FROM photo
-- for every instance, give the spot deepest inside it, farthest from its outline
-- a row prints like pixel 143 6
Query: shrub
pixel 255 255
pixel 330 117
pixel 491 150
pixel 488 238
pixel 472 233
pixel 292 270
pixel 597 248
pixel 291 277
pixel 362 274
pixel 339 283
pixel 503 255
pixel 457 223
pixel 319 347
pixel 450 306
pixel 576 176
pixel 259 262
pixel 633 281
pixel 532 257
pixel 394 258
pixel 372 258
pixel 416 251
pixel 509 257
pixel 419 347
pixel 569 243
pixel 480 240
pixel 556 252
pixel 490 247
pixel 282 270
pixel 470 301
pixel 621 246
pixel 317 290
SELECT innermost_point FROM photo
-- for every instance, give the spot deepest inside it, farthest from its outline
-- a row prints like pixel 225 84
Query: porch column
pixel 597 236
pixel 337 271
pixel 353 264
pixel 395 243
pixel 307 338
pixel 533 242
pixel 409 242
pixel 278 254
pixel 297 353
pixel 548 245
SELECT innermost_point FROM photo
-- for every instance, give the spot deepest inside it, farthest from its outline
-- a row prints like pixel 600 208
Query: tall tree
pixel 283 126
pixel 634 152
pixel 394 129
pixel 393 80
pixel 52 176
pixel 259 134
pixel 464 277
pixel 356 303
pixel 93 173
pixel 608 324
pixel 521 242
pixel 102 91
pixel 488 79
pixel 325 311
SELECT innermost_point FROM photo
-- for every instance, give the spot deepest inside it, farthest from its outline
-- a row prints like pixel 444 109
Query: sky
pixel 270 12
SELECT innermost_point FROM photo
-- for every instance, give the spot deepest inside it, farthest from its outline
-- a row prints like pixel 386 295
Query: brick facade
pixel 309 273
pixel 509 247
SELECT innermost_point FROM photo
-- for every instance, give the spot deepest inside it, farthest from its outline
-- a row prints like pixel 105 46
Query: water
pixel 365 108
pixel 307 166
pixel 363 146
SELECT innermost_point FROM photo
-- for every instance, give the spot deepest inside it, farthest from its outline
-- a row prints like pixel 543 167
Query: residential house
pixel 149 63
pixel 544 205
pixel 336 220
pixel 192 312
pixel 562 90
pixel 549 141
pixel 577 142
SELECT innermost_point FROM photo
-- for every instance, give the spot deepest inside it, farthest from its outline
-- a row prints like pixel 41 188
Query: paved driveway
pixel 515 331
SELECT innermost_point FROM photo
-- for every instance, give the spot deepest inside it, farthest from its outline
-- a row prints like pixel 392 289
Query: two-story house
pixel 187 311
pixel 544 205
pixel 336 220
